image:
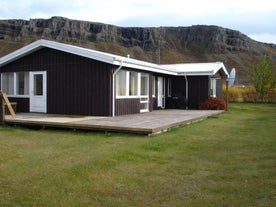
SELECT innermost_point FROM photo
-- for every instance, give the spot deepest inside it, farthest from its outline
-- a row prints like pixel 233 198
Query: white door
pixel 144 92
pixel 160 92
pixel 38 98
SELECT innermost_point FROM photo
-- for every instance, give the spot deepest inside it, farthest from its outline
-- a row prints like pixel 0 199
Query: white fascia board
pixel 91 54
pixel 84 52
pixel 141 65
pixel 20 53
pixel 197 69
pixel 197 73
pixel 88 53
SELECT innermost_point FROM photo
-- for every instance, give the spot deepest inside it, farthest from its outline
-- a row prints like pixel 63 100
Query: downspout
pixel 187 90
pixel 114 88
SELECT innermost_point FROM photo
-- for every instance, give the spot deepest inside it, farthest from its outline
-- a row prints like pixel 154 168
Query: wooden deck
pixel 144 123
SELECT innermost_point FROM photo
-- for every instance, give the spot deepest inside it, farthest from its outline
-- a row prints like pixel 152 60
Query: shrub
pixel 213 104
pixel 248 94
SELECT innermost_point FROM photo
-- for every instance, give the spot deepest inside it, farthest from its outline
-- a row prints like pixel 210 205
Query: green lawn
pixel 228 160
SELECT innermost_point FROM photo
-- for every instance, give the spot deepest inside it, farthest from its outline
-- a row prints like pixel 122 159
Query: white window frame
pixel 15 95
pixel 127 96
pixel 213 87
pixel 153 90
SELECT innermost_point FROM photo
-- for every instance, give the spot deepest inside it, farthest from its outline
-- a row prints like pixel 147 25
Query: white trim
pixel 84 52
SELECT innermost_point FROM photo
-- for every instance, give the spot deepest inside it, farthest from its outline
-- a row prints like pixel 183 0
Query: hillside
pixel 163 45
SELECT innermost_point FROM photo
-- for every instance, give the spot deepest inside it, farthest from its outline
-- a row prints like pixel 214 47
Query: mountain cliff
pixel 163 45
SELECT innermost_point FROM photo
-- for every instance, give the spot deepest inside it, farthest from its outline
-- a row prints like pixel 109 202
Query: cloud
pixel 264 37
pixel 248 16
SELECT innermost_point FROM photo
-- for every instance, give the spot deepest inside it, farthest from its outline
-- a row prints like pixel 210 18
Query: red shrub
pixel 212 104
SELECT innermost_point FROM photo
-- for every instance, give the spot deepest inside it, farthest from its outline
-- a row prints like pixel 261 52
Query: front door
pixel 160 92
pixel 38 98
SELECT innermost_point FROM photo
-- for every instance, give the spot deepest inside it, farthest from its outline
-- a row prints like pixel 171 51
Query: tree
pixel 263 77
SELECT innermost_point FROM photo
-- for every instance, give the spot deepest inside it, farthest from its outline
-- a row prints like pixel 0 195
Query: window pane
pixel 144 84
pixel 213 87
pixel 38 85
pixel 133 83
pixel 22 83
pixel 121 83
pixel 8 83
pixel 153 86
pixel 169 87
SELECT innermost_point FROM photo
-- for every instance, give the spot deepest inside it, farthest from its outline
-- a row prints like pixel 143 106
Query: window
pixel 169 92
pixel 15 84
pixel 22 83
pixel 213 85
pixel 144 84
pixel 121 83
pixel 153 86
pixel 133 84
pixel 38 85
pixel 8 83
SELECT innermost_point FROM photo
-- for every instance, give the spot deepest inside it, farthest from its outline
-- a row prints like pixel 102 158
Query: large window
pixel 15 84
pixel 131 84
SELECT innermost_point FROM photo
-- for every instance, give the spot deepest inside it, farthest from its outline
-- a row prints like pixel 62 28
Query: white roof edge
pixel 114 59
pixel 84 52
pixel 212 68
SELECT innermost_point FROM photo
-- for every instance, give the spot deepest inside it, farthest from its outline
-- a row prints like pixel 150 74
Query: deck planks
pixel 144 123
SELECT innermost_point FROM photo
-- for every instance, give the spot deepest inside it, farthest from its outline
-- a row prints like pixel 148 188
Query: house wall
pixel 127 106
pixel 75 85
pixel 198 90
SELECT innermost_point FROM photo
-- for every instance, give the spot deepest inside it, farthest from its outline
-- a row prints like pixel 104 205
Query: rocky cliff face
pixel 163 44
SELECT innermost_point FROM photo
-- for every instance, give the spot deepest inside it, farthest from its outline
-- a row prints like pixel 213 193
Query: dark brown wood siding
pixel 127 106
pixel 198 90
pixel 75 84
pixel 23 104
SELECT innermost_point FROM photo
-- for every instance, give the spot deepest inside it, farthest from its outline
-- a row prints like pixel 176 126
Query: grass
pixel 228 160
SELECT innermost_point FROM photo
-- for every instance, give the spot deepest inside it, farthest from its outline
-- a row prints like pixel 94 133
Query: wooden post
pixel 2 109
pixel 227 96
pixel 9 105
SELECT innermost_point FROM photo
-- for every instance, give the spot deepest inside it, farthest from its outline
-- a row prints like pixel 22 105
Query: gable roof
pixel 201 69
pixel 84 52
pixel 173 69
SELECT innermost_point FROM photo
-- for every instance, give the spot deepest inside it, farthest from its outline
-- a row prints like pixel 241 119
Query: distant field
pixel 228 160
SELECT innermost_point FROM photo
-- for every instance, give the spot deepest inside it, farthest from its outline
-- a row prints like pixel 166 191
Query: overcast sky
pixel 255 18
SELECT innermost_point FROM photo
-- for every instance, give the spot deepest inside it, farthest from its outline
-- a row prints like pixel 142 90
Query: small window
pixel 153 86
pixel 169 87
pixel 8 83
pixel 213 86
pixel 22 83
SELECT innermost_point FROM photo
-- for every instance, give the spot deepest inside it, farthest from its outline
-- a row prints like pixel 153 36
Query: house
pixel 55 78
